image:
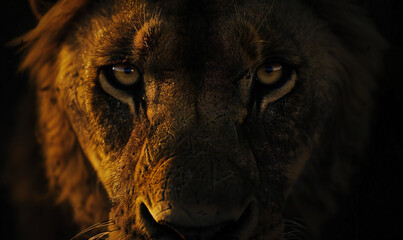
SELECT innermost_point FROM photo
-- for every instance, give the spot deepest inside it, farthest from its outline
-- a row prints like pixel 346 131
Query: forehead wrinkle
pixel 124 42
pixel 145 39
pixel 276 46
pixel 114 29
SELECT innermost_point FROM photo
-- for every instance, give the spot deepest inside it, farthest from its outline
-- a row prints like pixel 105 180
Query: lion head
pixel 201 119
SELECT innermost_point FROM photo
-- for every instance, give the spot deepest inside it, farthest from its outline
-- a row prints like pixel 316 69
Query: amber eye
pixel 270 74
pixel 124 74
pixel 273 81
pixel 123 82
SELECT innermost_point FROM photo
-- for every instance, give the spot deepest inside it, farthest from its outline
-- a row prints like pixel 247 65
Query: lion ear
pixel 41 7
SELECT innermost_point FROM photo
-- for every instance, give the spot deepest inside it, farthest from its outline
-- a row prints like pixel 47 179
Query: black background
pixel 375 211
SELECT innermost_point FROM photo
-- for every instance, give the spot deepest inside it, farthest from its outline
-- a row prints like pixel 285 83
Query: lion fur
pixel 359 58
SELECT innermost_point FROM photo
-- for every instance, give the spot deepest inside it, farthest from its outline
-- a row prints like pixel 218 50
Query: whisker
pixel 293 232
pixel 103 234
pixel 95 226
pixel 297 222
pixel 295 229
pixel 290 236
pixel 267 14
pixel 99 236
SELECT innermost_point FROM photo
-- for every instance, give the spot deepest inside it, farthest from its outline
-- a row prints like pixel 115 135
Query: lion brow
pixel 133 46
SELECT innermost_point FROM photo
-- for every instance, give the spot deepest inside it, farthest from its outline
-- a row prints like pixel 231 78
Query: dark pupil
pixel 269 69
pixel 127 70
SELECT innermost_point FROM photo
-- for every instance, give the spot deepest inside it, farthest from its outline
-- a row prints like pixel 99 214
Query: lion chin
pixel 182 119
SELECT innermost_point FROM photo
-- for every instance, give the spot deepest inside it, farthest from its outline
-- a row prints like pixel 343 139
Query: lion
pixel 206 120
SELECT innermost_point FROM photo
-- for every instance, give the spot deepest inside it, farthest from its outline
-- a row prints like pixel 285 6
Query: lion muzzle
pixel 199 200
pixel 199 192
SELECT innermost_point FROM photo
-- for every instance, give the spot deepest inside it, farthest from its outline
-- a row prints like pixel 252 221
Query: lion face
pixel 197 116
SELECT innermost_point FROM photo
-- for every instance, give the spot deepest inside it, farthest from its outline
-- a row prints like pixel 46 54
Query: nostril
pixel 174 232
pixel 154 229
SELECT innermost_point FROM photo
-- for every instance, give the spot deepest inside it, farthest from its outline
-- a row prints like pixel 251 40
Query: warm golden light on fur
pixel 172 109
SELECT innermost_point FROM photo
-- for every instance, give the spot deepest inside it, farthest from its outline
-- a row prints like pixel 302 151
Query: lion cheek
pixel 294 169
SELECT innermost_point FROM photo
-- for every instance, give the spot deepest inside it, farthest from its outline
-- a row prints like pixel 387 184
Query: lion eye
pixel 269 74
pixel 123 82
pixel 273 81
pixel 126 75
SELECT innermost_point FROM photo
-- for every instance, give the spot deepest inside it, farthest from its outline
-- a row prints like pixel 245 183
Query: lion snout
pixel 199 197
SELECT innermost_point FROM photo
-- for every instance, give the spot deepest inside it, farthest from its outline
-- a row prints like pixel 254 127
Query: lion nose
pixel 202 225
